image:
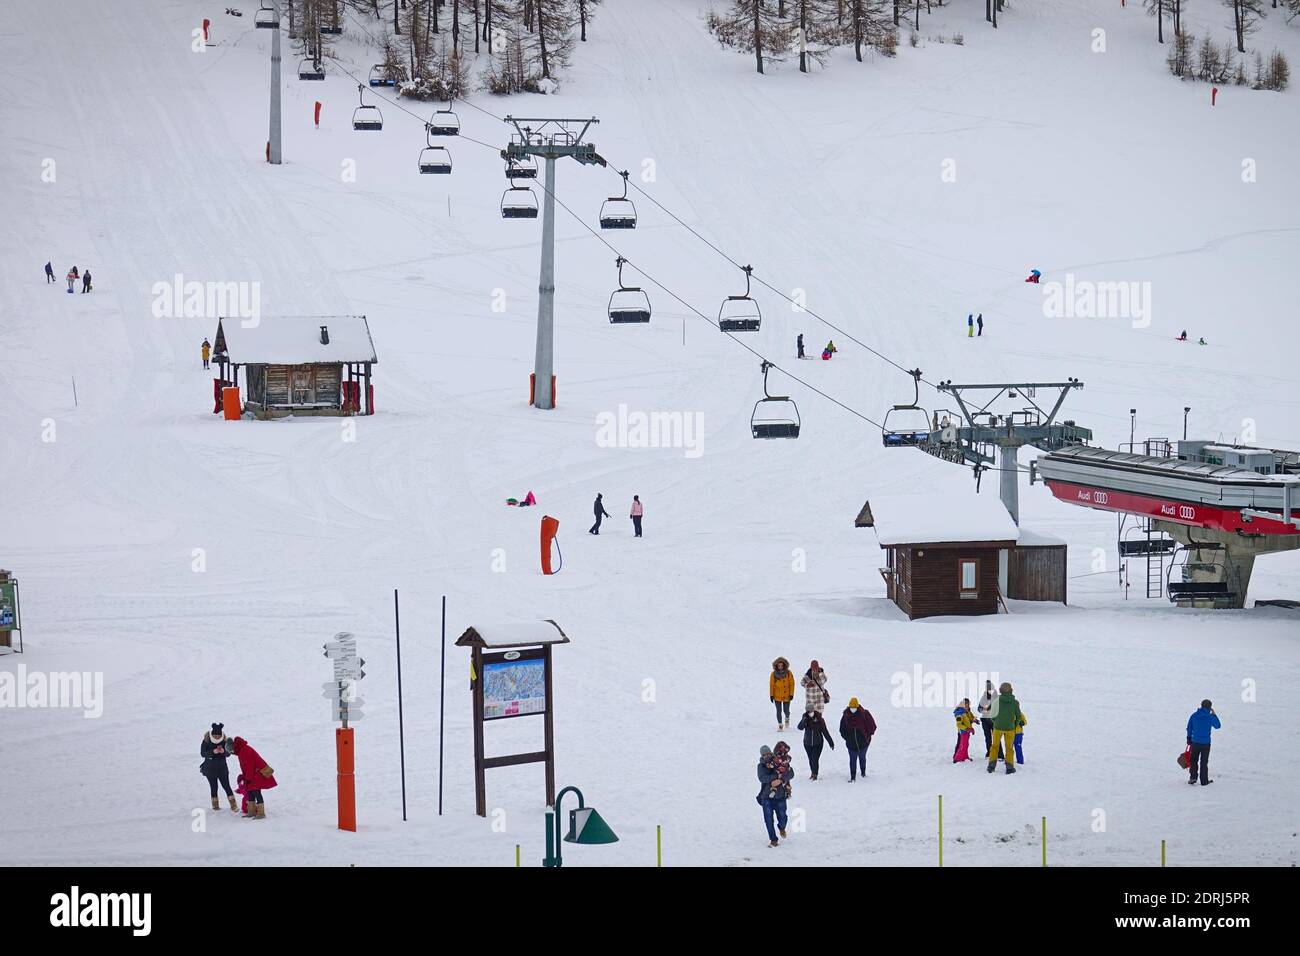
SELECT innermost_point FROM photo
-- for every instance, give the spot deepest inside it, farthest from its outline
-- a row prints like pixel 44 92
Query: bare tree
pixel 754 27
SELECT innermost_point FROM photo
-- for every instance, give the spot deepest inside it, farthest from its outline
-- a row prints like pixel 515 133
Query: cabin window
pixel 968 574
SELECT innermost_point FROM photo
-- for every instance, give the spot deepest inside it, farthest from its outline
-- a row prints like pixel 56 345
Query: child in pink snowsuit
pixel 965 726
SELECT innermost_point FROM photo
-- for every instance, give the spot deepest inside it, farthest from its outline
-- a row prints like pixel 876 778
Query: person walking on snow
pixel 799 344
pixel 815 732
pixel 72 279
pixel 986 721
pixel 49 272
pixel 856 727
pixel 965 727
pixel 970 325
pixel 979 322
pixel 215 750
pixel 258 776
pixel 780 690
pixel 1199 727
pixel 599 509
pixel 1005 713
pixel 774 815
pixel 637 512
pixel 1020 736
pixel 85 282
pixel 815 696
pixel 206 350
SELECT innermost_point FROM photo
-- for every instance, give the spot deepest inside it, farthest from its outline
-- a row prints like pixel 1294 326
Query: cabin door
pixel 303 392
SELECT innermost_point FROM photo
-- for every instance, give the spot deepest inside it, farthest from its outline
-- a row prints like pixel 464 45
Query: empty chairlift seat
pixel 518 202
pixel 310 70
pixel 775 416
pixel 628 304
pixel 366 117
pixel 907 425
pixel 618 212
pixel 740 313
pixel 379 76
pixel 522 168
pixel 444 123
pixel 264 18
pixel 434 159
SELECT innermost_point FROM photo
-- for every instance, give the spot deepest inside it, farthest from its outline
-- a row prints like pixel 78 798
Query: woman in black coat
pixel 214 750
pixel 815 731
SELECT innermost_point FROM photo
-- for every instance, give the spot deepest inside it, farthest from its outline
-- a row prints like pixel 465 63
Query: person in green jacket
pixel 1006 714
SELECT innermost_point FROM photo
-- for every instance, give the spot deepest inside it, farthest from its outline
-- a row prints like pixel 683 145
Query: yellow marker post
pixel 517 863
pixel 659 845
pixel 1162 852
pixel 1044 841
pixel 941 829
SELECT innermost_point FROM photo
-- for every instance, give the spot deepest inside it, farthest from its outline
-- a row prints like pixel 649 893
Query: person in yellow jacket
pixel 780 689
pixel 965 727
pixel 1020 735
pixel 206 350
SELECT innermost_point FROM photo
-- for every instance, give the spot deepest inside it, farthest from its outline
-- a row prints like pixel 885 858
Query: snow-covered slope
pixel 832 186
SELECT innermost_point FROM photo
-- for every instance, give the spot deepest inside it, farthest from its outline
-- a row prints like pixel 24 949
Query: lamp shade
pixel 587 827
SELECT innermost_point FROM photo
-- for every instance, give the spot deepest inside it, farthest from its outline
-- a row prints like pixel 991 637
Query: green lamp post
pixel 586 827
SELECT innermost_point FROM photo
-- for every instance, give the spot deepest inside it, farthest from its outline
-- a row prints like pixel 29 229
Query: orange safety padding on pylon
pixel 318 114
pixel 549 528
pixel 230 403
pixel 532 389
pixel 346 758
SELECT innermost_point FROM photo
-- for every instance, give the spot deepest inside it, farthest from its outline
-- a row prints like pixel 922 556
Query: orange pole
pixel 343 748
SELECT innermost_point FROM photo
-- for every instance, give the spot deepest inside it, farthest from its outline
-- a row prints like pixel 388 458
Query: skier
pixel 965 727
pixel 215 750
pixel 1199 728
pixel 206 350
pixel 637 511
pixel 1020 736
pixel 72 279
pixel 813 683
pixel 600 512
pixel 774 815
pixel 49 272
pixel 980 322
pixel 856 727
pixel 986 722
pixel 799 344
pixel 780 690
pixel 258 776
pixel 815 731
pixel 1034 276
pixel 85 282
pixel 970 326
pixel 1005 711
pixel 1183 337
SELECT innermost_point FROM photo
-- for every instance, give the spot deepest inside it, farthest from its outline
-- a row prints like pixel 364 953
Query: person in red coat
pixel 857 727
pixel 258 776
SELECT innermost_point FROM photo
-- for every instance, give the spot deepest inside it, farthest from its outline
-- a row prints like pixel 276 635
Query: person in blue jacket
pixel 772 779
pixel 1199 727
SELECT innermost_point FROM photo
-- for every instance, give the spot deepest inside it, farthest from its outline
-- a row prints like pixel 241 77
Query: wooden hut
pixel 943 553
pixel 1036 568
pixel 297 365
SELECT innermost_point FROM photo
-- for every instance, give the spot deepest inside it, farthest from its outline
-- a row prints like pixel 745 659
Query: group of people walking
pixel 1003 723
pixel 638 510
pixel 255 775
pixel 73 276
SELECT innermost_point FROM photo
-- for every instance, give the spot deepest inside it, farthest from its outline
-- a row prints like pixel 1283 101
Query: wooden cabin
pixel 960 554
pixel 297 365
pixel 942 552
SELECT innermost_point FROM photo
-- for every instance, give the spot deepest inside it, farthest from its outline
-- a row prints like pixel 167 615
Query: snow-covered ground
pixel 1071 161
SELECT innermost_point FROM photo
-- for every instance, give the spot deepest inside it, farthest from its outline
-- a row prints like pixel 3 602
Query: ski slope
pixel 1099 165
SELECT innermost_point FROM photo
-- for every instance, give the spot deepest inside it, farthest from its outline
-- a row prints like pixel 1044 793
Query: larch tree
pixel 869 25
pixel 1245 18
pixel 1156 8
pixel 586 10
pixel 815 30
pixel 753 26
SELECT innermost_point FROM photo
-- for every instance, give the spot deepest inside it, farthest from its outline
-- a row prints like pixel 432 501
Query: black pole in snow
pixel 401 732
pixel 442 700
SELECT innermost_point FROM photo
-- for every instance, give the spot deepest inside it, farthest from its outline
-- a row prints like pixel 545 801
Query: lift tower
pixel 551 139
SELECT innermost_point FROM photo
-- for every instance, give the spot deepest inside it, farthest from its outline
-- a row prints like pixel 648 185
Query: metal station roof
pixel 1173 466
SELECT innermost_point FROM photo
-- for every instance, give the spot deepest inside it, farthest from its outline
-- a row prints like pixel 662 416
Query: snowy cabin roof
pixel 296 340
pixel 937 519
pixel 1038 539
pixel 512 633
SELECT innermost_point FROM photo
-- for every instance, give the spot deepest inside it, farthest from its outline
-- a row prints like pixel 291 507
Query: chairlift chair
pixel 435 159
pixel 740 313
pixel 331 30
pixel 366 117
pixel 518 202
pixel 444 123
pixel 309 69
pixel 775 416
pixel 628 304
pixel 265 18
pixel 525 167
pixel 907 425
pixel 379 76
pixel 618 212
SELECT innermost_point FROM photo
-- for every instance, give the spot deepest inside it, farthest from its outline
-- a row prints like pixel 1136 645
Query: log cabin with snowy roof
pixel 297 365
